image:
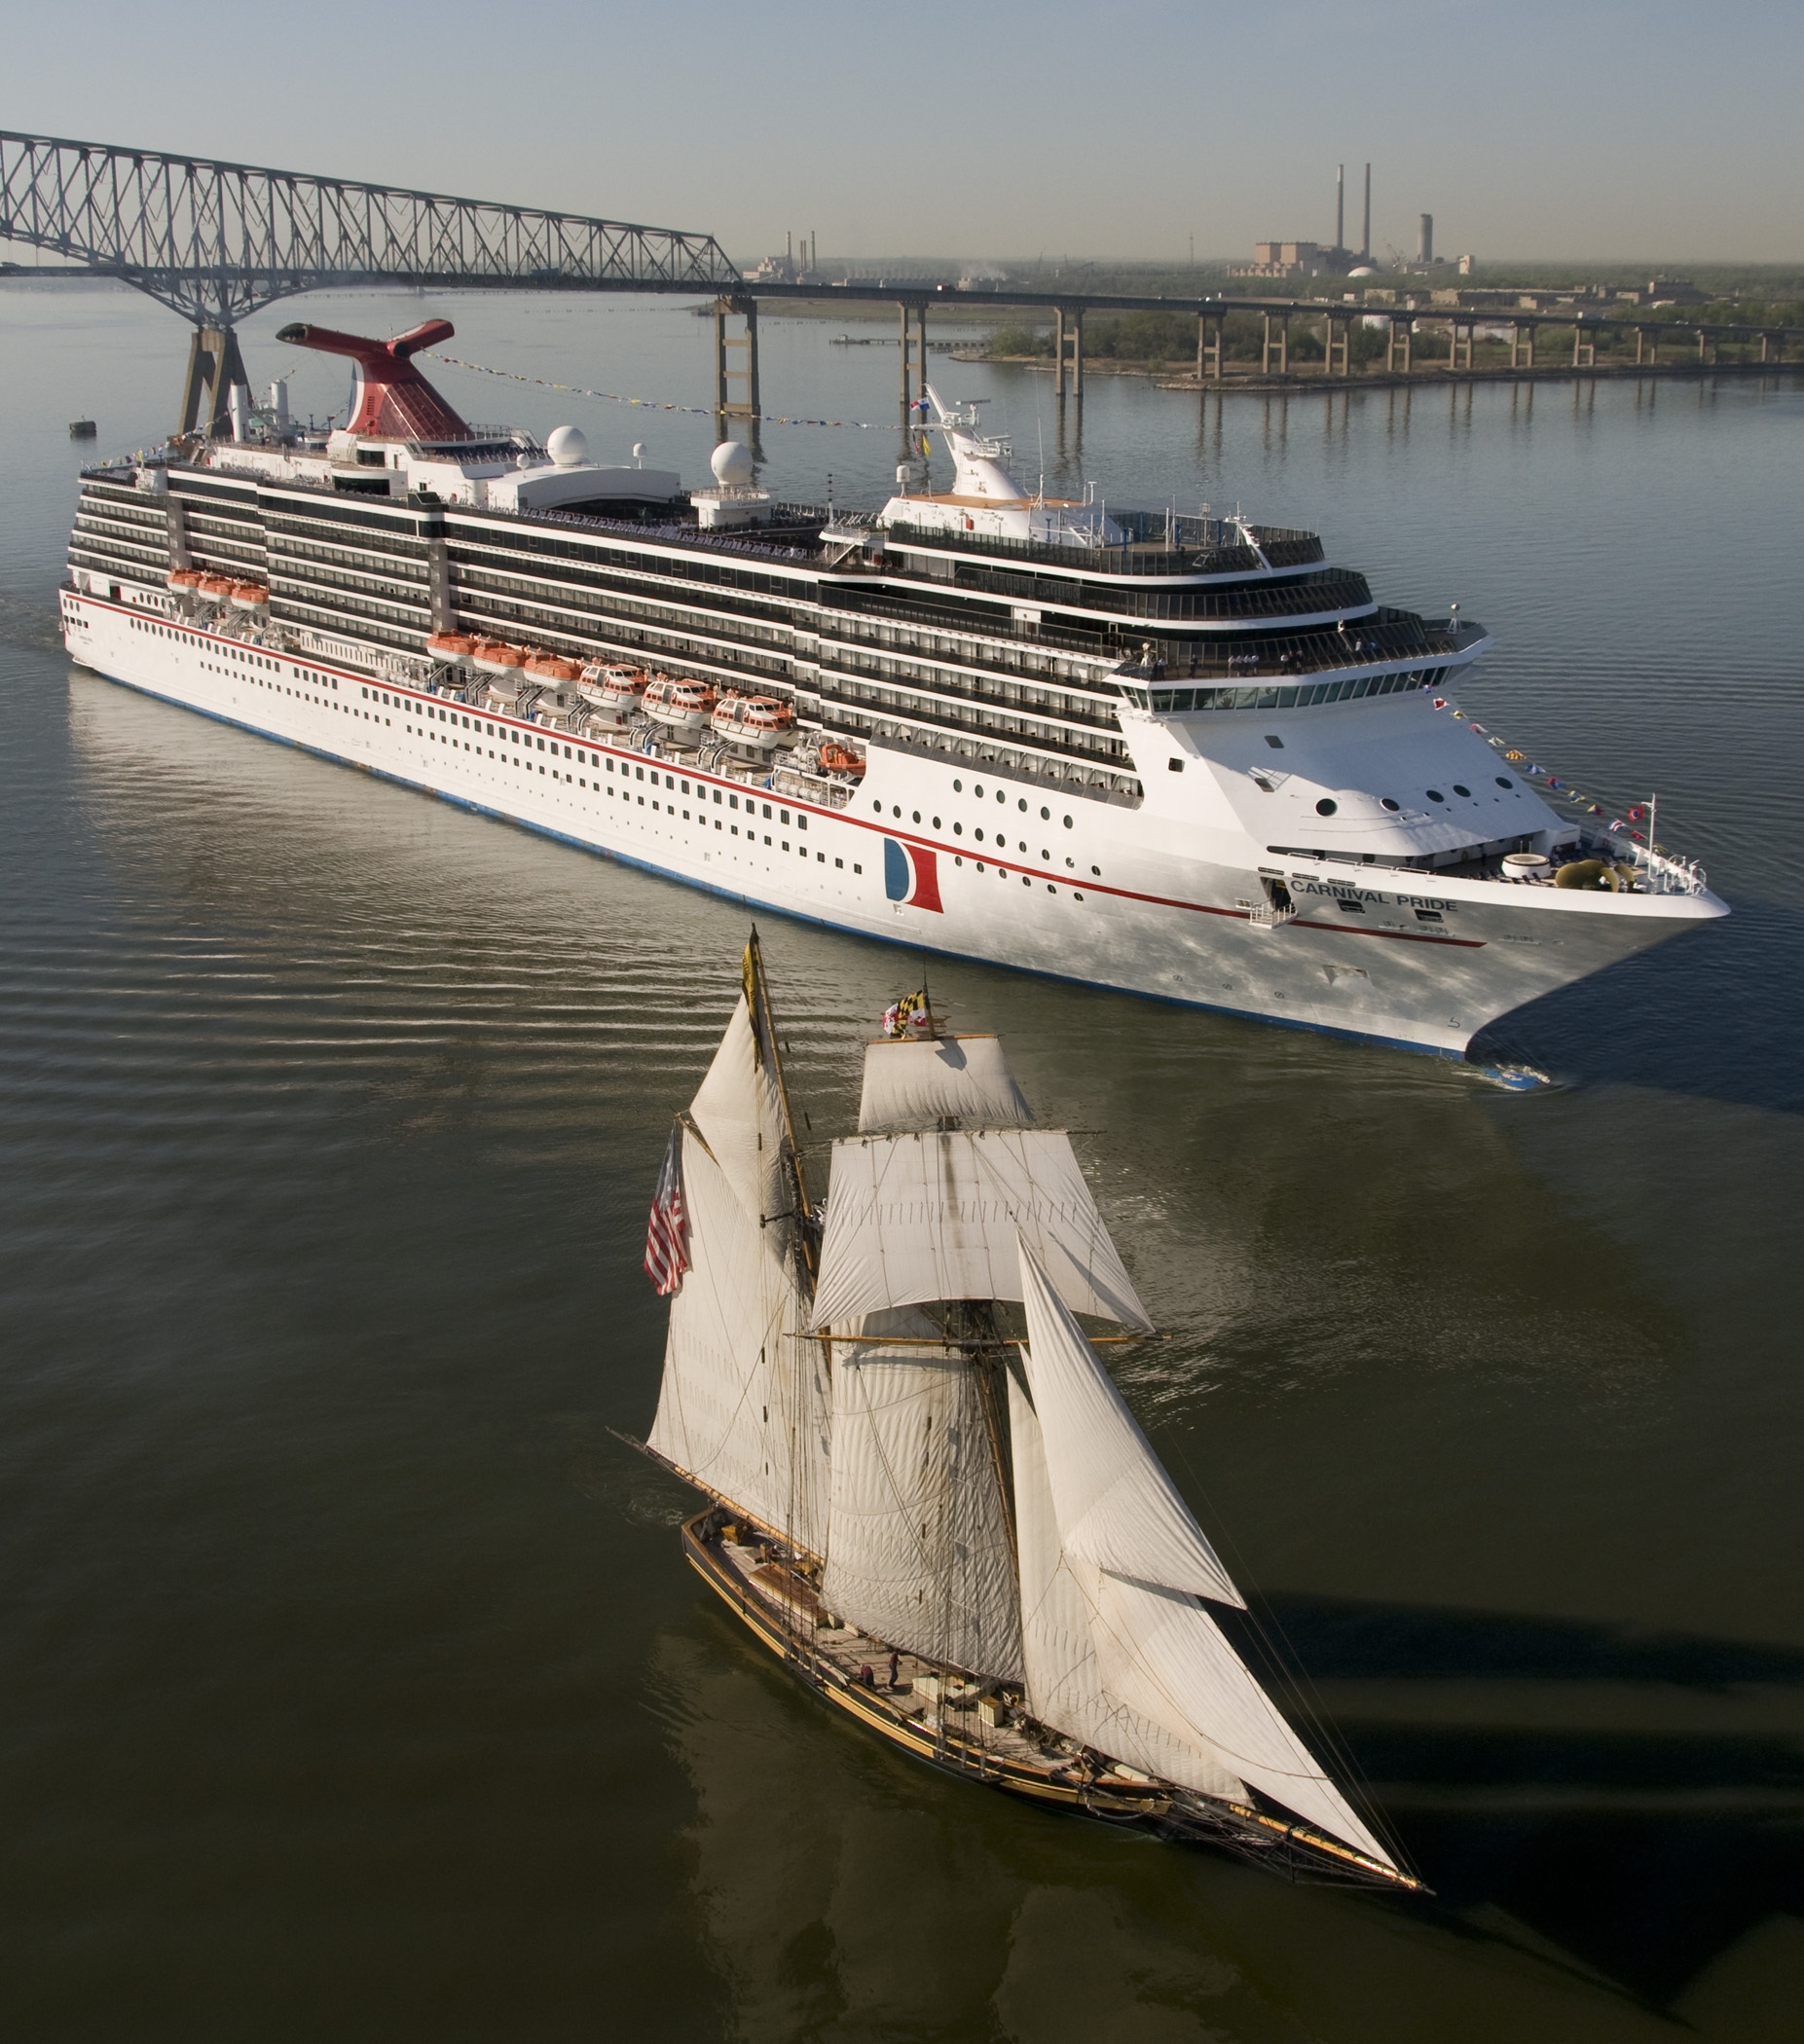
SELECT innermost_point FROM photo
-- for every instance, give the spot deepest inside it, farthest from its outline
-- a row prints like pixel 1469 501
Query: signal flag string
pixel 1620 827
pixel 652 404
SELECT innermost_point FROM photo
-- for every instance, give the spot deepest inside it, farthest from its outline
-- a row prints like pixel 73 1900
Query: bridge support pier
pixel 1068 346
pixel 725 375
pixel 1337 342
pixel 1284 345
pixel 1211 351
pixel 1584 353
pixel 919 343
pixel 1408 338
pixel 214 365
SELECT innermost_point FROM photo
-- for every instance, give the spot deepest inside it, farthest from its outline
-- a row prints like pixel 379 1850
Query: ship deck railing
pixel 1196 547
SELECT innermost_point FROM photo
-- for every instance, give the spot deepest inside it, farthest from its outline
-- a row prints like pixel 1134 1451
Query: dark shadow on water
pixel 1643 1855
pixel 1710 1013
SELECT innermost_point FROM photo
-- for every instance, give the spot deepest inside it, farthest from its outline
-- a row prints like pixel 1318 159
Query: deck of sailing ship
pixel 929 1500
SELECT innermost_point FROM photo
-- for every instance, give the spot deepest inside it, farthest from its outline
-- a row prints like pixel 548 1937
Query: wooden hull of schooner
pixel 777 1603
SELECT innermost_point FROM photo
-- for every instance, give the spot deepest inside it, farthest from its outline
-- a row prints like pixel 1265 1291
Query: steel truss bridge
pixel 217 241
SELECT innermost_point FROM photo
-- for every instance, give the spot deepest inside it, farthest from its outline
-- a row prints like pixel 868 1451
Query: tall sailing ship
pixel 1186 756
pixel 927 1497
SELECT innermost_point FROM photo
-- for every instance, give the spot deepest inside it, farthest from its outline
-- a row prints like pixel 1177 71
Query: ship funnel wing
pixel 1133 1663
pixel 937 1215
pixel 394 401
pixel 926 1082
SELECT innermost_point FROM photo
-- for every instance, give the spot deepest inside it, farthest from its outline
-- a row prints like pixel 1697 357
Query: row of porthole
pixel 1327 806
pixel 958 831
pixel 958 788
pixel 1026 878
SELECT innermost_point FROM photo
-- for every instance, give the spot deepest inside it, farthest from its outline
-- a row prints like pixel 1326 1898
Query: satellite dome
pixel 638 450
pixel 1364 270
pixel 731 462
pixel 568 446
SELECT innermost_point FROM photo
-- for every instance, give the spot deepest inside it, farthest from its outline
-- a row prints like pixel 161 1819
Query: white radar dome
pixel 731 462
pixel 568 446
pixel 1364 270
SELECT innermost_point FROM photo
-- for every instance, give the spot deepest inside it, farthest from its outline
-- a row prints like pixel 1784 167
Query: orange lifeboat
pixel 250 596
pixel 496 657
pixel 450 645
pixel 683 706
pixel 184 580
pixel 615 691
pixel 549 666
pixel 760 721
pixel 215 588
pixel 841 759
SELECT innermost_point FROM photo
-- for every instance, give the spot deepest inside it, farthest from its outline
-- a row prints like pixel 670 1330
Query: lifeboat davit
pixel 215 588
pixel 615 691
pixel 762 721
pixel 683 706
pixel 184 580
pixel 496 657
pixel 549 666
pixel 250 596
pixel 450 645
pixel 841 759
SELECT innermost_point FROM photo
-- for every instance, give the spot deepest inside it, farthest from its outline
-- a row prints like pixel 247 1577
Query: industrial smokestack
pixel 1339 205
pixel 1365 239
pixel 1425 240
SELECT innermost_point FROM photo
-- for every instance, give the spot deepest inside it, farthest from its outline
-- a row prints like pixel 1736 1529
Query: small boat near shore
pixel 925 1496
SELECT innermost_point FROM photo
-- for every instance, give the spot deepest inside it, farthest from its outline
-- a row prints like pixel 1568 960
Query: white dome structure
pixel 568 446
pixel 731 462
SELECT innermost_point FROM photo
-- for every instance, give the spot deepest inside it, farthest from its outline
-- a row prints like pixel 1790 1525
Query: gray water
pixel 350 1682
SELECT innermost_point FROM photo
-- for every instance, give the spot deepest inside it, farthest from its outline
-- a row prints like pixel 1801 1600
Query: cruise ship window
pixel 1276 744
pixel 686 787
pixel 979 836
pixel 857 869
pixel 1390 802
pixel 1177 765
pixel 958 787
pixel 732 802
pixel 639 772
pixel 1351 908
pixel 717 794
pixel 1020 804
pixel 1067 823
pixel 958 830
pixel 1459 791
pixel 802 822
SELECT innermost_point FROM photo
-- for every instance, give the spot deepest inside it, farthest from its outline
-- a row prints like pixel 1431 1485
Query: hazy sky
pixel 1659 131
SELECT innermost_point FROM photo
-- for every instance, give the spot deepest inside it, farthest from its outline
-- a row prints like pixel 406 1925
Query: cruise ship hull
pixel 1423 963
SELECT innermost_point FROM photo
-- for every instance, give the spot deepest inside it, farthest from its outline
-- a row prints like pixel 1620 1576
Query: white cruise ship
pixel 1181 757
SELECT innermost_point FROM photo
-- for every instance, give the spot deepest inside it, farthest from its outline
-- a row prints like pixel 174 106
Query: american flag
pixel 667 1232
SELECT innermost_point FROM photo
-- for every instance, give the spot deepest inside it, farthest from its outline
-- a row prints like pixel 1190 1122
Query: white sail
pixel 1156 1651
pixel 1064 1679
pixel 743 1405
pixel 918 1546
pixel 916 1218
pixel 913 1083
pixel 1164 1655
pixel 1116 1507
pixel 740 1112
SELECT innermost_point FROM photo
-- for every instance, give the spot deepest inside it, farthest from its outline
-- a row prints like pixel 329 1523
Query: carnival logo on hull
pixel 912 875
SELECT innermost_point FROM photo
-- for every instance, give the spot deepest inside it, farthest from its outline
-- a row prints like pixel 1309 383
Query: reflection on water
pixel 353 1679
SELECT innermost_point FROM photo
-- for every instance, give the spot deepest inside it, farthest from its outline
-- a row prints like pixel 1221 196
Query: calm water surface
pixel 350 1680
